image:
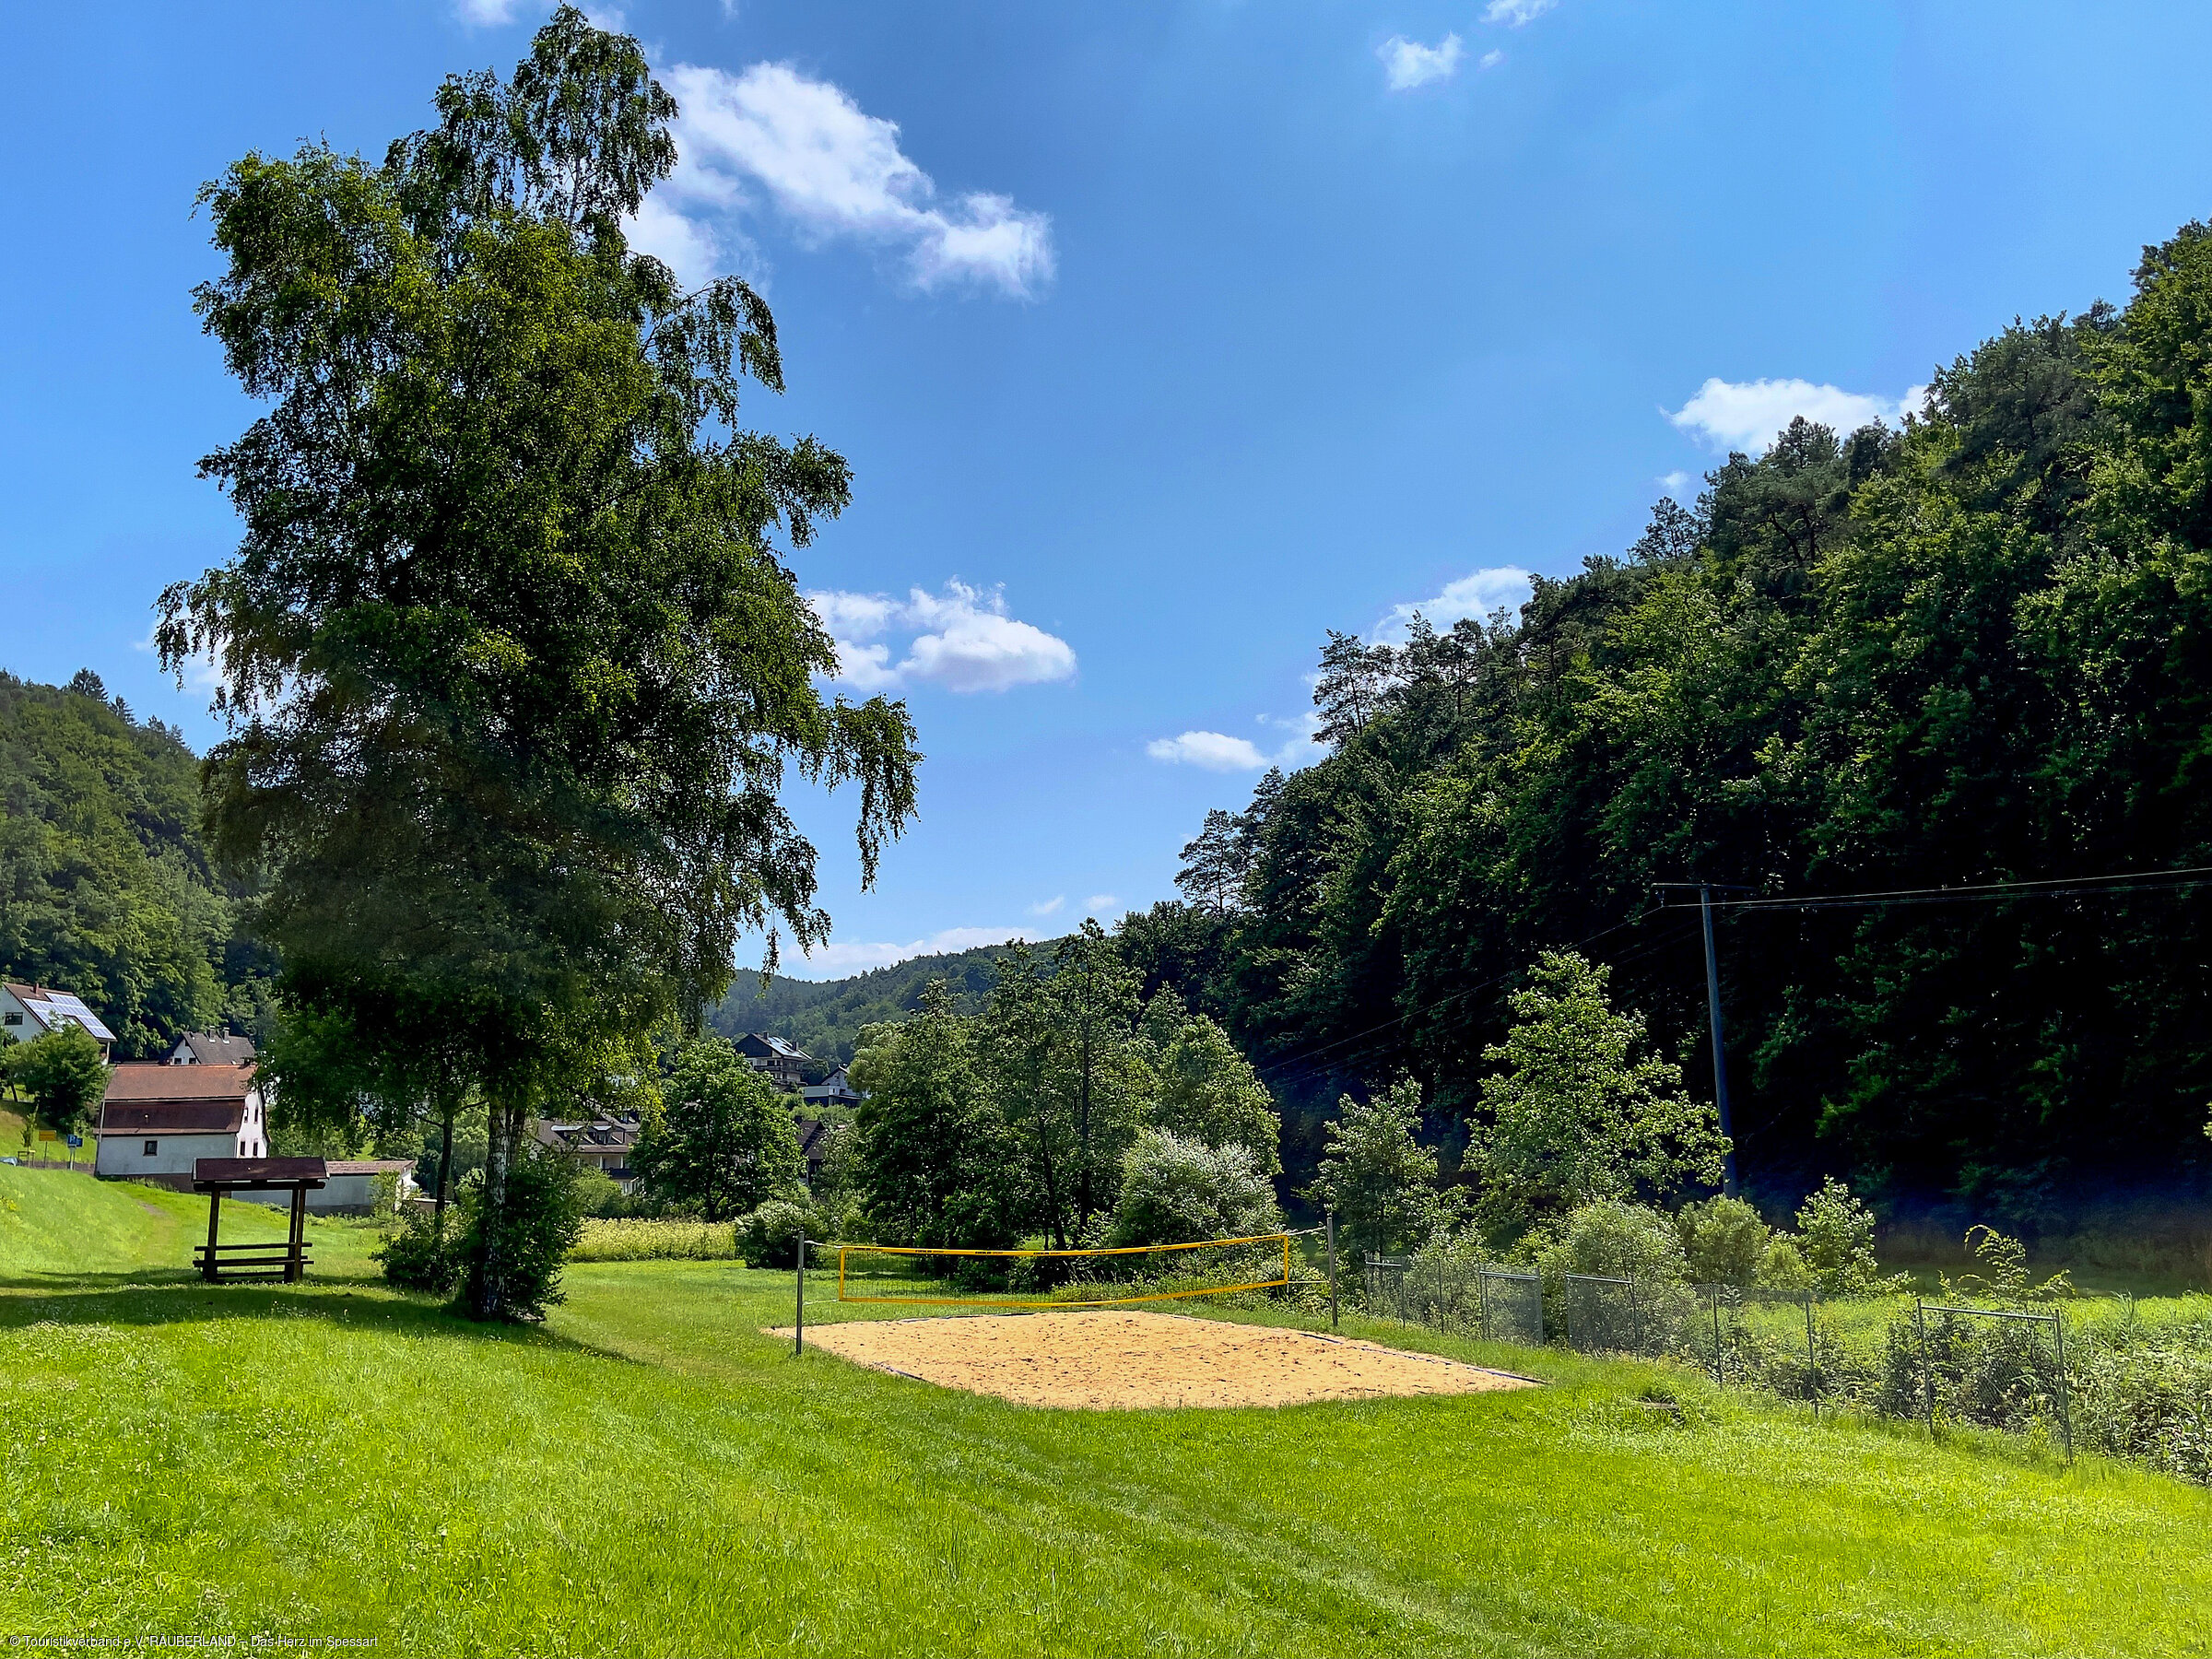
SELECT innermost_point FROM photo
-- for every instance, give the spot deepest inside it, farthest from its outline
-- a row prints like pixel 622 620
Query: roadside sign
pixel 76 1140
pixel 48 1135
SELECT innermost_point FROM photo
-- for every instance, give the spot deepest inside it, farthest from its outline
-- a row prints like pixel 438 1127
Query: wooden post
pixel 1329 1218
pixel 215 1210
pixel 798 1312
pixel 294 1269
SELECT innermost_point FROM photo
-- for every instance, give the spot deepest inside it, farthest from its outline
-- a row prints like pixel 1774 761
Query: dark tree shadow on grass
pixel 174 1297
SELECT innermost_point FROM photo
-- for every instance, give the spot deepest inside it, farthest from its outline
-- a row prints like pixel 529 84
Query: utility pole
pixel 1705 890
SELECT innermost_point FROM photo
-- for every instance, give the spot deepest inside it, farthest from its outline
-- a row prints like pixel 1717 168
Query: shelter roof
pixel 367 1166
pixel 258 1172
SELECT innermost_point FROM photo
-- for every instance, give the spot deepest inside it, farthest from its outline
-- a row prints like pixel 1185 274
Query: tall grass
pixel 651 1241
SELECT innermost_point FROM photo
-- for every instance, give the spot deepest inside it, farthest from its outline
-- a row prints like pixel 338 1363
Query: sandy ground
pixel 1113 1359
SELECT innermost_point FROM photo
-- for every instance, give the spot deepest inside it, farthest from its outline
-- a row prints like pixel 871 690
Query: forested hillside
pixel 104 887
pixel 825 1017
pixel 1972 654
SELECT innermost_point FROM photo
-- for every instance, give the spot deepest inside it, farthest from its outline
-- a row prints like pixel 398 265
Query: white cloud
pixel 1676 482
pixel 771 136
pixel 1218 752
pixel 487 13
pixel 1214 752
pixel 1513 13
pixel 1491 60
pixel 1477 595
pixel 1045 907
pixel 1747 414
pixel 961 639
pixel 1099 904
pixel 1408 63
pixel 836 959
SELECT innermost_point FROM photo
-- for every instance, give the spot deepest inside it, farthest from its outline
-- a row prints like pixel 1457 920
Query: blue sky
pixel 1162 338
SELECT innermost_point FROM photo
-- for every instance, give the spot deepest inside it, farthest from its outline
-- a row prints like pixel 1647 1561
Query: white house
pixel 781 1061
pixel 349 1187
pixel 29 1011
pixel 600 1143
pixel 836 1089
pixel 212 1048
pixel 158 1121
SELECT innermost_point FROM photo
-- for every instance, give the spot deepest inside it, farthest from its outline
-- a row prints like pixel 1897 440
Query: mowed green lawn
pixel 650 1475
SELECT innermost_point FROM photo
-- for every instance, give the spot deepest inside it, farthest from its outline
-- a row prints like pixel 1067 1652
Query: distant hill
pixel 105 888
pixel 825 1017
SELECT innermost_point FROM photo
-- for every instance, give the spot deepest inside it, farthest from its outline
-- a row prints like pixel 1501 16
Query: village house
pixel 836 1089
pixel 158 1121
pixel 784 1063
pixel 348 1187
pixel 32 1011
pixel 206 1048
pixel 601 1142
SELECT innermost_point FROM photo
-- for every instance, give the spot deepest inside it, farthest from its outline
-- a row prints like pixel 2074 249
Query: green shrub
pixel 597 1193
pixel 769 1235
pixel 1782 1265
pixel 417 1256
pixel 1723 1241
pixel 1174 1190
pixel 533 1232
pixel 1612 1239
pixel 1835 1236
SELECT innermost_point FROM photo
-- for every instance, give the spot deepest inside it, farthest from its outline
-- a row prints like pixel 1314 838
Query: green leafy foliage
pixel 769 1236
pixel 1173 1190
pixel 1379 1178
pixel 1835 1238
pixel 64 1074
pixel 1577 1113
pixel 514 668
pixel 1723 1241
pixel 723 1139
pixel 528 1236
pixel 938 1164
pixel 419 1254
pixel 1612 1239
pixel 106 888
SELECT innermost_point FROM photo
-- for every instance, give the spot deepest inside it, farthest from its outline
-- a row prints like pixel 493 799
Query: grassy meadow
pixel 649 1474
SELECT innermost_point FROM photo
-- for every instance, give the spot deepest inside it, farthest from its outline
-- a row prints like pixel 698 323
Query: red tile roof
pixel 150 1080
pixel 172 1117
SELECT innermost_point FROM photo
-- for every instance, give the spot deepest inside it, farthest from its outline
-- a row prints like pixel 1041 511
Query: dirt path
pixel 1114 1359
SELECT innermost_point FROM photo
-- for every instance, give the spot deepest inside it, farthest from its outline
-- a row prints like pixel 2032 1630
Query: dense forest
pixel 105 888
pixel 1974 654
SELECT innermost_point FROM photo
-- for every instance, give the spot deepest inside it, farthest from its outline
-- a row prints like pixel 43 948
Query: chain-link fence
pixel 1991 1368
pixel 1995 1368
pixel 1467 1298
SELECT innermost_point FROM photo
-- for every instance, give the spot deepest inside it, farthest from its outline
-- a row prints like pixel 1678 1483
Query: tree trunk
pixel 1045 1153
pixel 445 1168
pixel 1083 1133
pixel 504 1122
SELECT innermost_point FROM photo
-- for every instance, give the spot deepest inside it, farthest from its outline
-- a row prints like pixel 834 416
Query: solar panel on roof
pixel 62 1002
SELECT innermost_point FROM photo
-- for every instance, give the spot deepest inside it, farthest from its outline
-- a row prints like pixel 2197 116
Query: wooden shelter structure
pixel 220 1262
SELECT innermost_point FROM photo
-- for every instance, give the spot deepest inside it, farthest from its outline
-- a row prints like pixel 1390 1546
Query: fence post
pixel 1329 1217
pixel 1720 1374
pixel 1482 1297
pixel 1927 1369
pixel 798 1322
pixel 1812 1359
pixel 2066 1411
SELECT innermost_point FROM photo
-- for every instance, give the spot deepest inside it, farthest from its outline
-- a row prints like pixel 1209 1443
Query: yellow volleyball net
pixel 923 1276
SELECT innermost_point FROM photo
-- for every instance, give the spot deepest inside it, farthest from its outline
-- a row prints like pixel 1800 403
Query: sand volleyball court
pixel 1116 1359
